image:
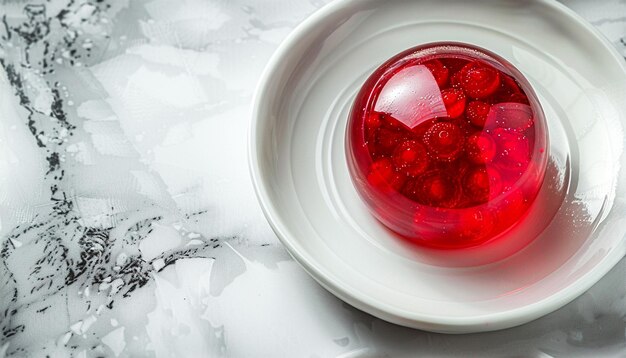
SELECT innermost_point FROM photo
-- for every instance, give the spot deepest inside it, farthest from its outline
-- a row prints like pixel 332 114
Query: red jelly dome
pixel 447 145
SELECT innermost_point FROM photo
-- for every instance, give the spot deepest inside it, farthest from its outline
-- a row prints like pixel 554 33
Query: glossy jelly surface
pixel 447 145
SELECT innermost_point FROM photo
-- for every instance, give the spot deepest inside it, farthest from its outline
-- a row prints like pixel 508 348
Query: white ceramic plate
pixel 298 163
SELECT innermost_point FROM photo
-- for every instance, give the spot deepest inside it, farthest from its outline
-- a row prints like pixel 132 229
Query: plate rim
pixel 477 323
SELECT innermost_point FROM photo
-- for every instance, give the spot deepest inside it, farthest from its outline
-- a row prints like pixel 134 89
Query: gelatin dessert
pixel 447 145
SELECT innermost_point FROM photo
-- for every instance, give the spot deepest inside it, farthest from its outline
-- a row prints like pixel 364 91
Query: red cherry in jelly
pixel 383 176
pixel 373 121
pixel 435 188
pixel 509 85
pixel 388 139
pixel 510 92
pixel 481 183
pixel 440 189
pixel 439 71
pixel 519 98
pixel 456 80
pixel 480 148
pixel 477 112
pixel 396 181
pixel 453 64
pixel 380 172
pixel 454 100
pixel 410 157
pixel 513 149
pixel 479 80
pixel 421 129
pixel 444 140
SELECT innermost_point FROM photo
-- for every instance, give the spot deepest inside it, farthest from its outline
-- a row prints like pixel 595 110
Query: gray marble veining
pixel 128 224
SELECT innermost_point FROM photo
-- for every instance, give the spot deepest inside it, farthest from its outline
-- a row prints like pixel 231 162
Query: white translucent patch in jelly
pixel 510 115
pixel 412 96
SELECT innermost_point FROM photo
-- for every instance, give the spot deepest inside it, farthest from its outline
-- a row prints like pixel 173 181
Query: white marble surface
pixel 128 223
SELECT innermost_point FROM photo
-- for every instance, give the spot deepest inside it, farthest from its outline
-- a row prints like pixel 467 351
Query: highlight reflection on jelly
pixel 447 145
